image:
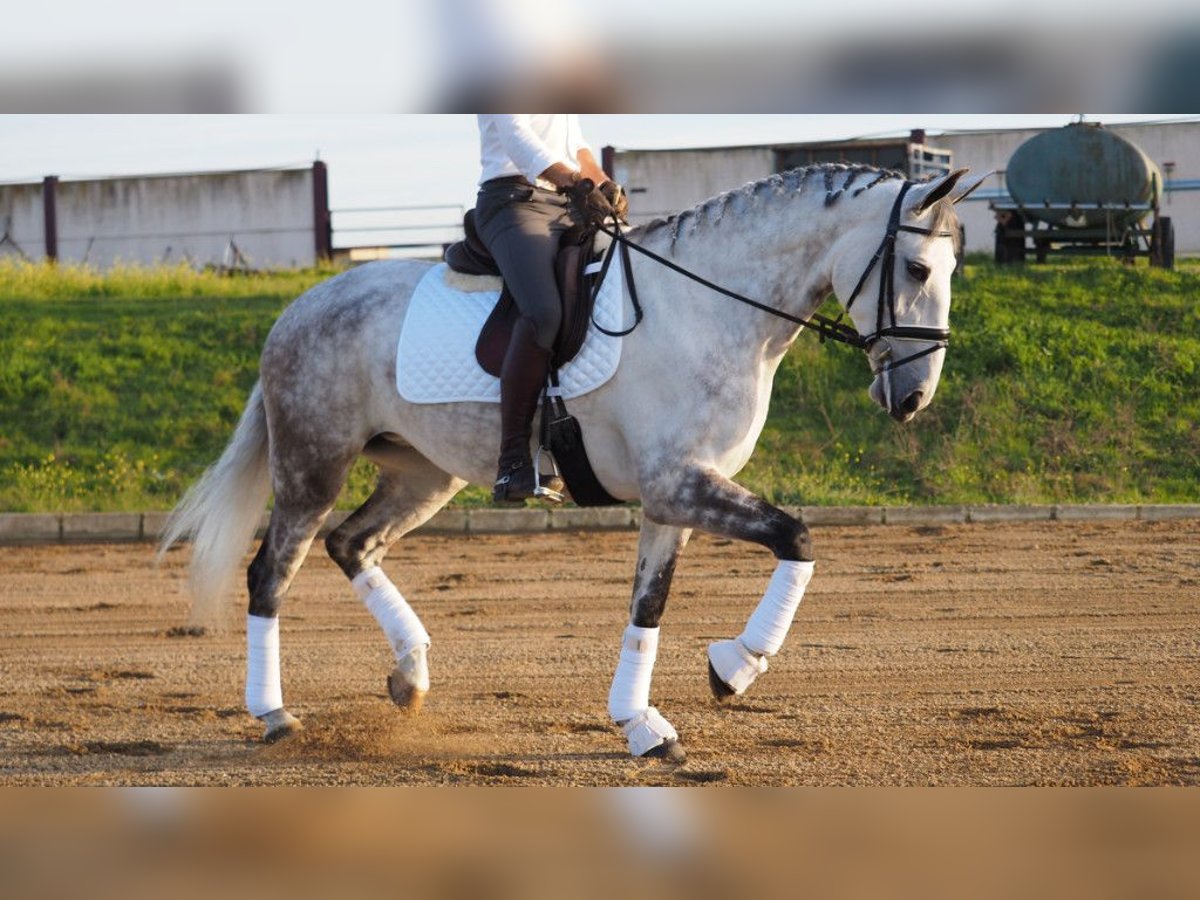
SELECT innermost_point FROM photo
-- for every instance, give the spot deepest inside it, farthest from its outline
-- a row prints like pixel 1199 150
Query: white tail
pixel 220 513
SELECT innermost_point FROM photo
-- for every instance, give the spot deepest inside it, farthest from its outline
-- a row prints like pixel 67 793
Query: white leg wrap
pixel 740 661
pixel 397 619
pixel 769 623
pixel 414 668
pixel 736 665
pixel 263 691
pixel 647 730
pixel 630 692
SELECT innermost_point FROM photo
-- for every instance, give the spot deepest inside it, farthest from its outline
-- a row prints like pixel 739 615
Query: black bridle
pixel 825 328
pixel 885 255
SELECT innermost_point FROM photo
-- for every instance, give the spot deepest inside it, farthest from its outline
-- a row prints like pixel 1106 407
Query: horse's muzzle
pixel 907 408
pixel 901 410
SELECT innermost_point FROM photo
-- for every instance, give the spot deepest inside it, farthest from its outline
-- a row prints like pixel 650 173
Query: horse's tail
pixel 220 513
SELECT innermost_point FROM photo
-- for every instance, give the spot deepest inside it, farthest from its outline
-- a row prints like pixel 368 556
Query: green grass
pixel 1071 382
pixel 1076 382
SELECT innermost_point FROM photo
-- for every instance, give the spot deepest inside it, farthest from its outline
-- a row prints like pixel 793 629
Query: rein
pixel 825 327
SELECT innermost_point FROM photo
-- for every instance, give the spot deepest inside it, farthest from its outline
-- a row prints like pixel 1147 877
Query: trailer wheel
pixel 1162 243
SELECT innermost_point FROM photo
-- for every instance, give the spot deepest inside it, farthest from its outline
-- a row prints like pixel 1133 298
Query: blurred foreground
pixel 640 842
pixel 677 56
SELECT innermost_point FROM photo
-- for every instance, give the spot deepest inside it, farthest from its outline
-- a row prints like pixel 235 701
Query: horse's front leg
pixel 649 734
pixel 707 500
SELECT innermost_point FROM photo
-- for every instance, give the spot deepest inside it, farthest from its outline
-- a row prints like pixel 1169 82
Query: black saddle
pixel 579 247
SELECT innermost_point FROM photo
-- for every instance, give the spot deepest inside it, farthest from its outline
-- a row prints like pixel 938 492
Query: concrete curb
pixel 101 527
pixel 65 528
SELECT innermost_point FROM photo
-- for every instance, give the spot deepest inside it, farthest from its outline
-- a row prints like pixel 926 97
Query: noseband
pixel 825 328
pixel 885 256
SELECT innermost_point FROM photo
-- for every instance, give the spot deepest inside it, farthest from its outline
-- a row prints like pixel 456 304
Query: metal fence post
pixel 50 215
pixel 322 222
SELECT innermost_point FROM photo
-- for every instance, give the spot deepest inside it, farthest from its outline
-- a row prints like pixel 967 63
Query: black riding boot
pixel 522 378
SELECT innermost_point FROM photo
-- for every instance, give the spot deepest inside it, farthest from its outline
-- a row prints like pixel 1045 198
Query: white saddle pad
pixel 435 357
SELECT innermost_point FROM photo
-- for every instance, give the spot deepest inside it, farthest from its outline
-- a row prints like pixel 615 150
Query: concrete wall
pixel 664 182
pixel 21 221
pixel 667 181
pixel 267 214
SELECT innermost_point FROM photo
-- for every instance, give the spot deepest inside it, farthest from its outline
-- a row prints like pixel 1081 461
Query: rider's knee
pixel 546 329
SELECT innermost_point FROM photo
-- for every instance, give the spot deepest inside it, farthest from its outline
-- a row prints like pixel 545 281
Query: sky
pixel 402 159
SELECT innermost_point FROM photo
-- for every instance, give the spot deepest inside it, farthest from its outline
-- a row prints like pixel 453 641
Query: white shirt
pixel 528 145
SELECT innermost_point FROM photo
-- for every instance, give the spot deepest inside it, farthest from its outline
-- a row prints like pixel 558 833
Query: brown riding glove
pixel 587 200
pixel 615 195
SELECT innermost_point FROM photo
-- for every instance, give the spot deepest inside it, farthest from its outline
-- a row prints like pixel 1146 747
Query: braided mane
pixel 835 179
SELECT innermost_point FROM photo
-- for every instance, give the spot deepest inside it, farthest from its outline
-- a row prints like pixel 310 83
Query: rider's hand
pixel 593 207
pixel 615 195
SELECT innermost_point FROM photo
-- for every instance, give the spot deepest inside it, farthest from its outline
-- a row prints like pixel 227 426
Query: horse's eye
pixel 917 270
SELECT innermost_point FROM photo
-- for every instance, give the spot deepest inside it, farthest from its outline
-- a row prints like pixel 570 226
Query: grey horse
pixel 672 427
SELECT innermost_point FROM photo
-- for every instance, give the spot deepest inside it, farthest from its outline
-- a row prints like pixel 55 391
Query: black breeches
pixel 522 226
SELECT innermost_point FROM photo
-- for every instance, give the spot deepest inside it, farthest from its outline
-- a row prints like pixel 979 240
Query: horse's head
pixel 897 290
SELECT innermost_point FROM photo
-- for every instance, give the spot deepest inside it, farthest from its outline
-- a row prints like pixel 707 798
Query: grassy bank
pixel 1074 382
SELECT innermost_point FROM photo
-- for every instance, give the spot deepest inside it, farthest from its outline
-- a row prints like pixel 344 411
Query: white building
pixel 661 182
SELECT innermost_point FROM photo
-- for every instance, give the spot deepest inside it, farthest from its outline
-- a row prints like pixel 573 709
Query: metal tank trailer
pixel 1082 189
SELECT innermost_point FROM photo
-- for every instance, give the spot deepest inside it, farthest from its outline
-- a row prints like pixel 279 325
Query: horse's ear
pixel 967 188
pixel 938 189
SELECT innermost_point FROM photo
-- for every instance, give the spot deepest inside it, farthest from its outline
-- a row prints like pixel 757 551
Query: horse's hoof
pixel 720 690
pixel 409 682
pixel 404 694
pixel 669 751
pixel 279 724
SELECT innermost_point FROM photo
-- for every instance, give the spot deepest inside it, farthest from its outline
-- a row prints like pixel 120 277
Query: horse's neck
pixel 778 253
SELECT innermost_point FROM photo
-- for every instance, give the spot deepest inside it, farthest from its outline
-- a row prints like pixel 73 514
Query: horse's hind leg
pixel 648 732
pixel 302 501
pixel 409 492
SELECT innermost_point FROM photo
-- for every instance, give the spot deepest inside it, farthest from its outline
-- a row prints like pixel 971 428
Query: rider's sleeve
pixel 575 138
pixel 529 153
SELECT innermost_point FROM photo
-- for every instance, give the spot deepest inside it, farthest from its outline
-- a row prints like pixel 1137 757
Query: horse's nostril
pixel 912 402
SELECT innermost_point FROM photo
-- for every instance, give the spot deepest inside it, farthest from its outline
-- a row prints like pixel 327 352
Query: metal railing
pixel 433 231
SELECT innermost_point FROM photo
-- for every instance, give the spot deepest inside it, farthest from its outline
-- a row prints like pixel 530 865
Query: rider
pixel 539 179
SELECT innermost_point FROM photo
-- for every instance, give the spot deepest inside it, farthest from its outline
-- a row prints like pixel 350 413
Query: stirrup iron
pixel 541 491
